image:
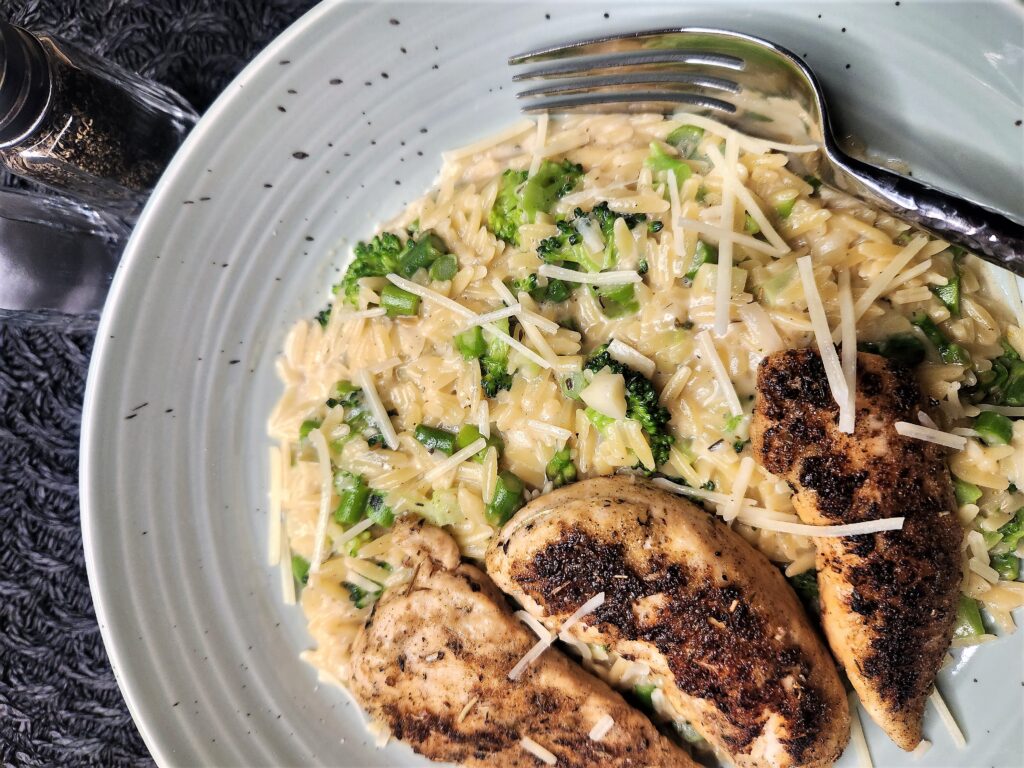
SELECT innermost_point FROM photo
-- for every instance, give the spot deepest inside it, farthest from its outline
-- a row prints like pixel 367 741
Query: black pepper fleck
pixel 300 155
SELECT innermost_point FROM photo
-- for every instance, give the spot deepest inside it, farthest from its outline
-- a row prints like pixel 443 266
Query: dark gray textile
pixel 59 704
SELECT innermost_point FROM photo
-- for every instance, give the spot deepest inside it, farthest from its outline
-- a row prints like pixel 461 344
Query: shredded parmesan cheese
pixel 1013 411
pixel 601 727
pixel 531 655
pixel 721 375
pixel 747 201
pixel 466 709
pixel 453 461
pixel 380 414
pixel 722 235
pixel 918 432
pixel 558 433
pixel 287 576
pixel 676 212
pixel 739 488
pixel 590 233
pixel 364 314
pixel 493 140
pixel 538 144
pixel 822 335
pixel 927 420
pixel 319 443
pixel 748 143
pixel 539 629
pixel 498 314
pixel 626 355
pixel 354 531
pixel 860 743
pixel 848 336
pixel 588 607
pixel 537 751
pixel 947 719
pixel 921 749
pixel 760 325
pixel 723 272
pixel 525 316
pixel 590 278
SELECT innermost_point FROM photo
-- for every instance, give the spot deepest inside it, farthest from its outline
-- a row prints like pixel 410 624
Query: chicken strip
pixel 716 623
pixel 432 663
pixel 888 600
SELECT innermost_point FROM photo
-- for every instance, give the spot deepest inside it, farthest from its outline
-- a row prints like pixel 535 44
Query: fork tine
pixel 671 80
pixel 607 44
pixel 645 101
pixel 591 65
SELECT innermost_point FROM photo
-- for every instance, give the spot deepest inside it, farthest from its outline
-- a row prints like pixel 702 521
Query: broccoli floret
pixel 384 254
pixel 1003 383
pixel 555 291
pixel 376 258
pixel 806 586
pixel 520 199
pixel 560 470
pixel 661 161
pixel 494 375
pixel 567 248
pixel 641 403
pixel 359 596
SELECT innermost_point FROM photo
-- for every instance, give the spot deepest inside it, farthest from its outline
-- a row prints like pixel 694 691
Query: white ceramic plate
pixel 333 128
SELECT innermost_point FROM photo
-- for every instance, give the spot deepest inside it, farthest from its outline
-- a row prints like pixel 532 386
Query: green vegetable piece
pixel 750 226
pixel 815 183
pixel 949 294
pixel 552 181
pixel 323 317
pixel 702 254
pixel 806 586
pixel 644 692
pixel 949 352
pixel 359 596
pixel 469 434
pixel 494 375
pixel 598 419
pixel 904 348
pixel 300 568
pixel 376 258
pixel 994 428
pixel 398 302
pixel 968 618
pixel 1007 565
pixel 660 161
pixel 733 422
pixel 356 542
pixel 1013 531
pixel 785 207
pixel 353 501
pixel 573 385
pixel 308 426
pixel 506 214
pixel 557 291
pixel 420 254
pixel 471 343
pixel 560 470
pixel 378 511
pixel 444 268
pixel 775 285
pixel 508 498
pixel 686 138
pixel 617 300
pixel 1003 383
pixel 435 439
pixel 966 493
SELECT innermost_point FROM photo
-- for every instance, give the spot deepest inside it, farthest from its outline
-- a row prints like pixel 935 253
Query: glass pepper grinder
pixel 83 126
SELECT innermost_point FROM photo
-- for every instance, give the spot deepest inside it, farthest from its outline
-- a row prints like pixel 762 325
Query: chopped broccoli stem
pixel 644 693
pixel 750 226
pixel 1013 531
pixel 352 505
pixel 435 439
pixel 573 385
pixel 785 207
pixel 949 294
pixel 308 426
pixel 617 300
pixel 560 470
pixel 994 428
pixel 702 254
pixel 660 161
pixel 1007 565
pixel 966 493
pixel 378 511
pixel 598 419
pixel 398 302
pixel 508 498
pixel 904 348
pixel 469 434
pixel 950 352
pixel 445 268
pixel 815 183
pixel 686 138
pixel 421 254
pixel 300 568
pixel 471 343
pixel 968 618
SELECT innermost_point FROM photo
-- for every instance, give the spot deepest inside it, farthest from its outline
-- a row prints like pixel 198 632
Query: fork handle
pixel 983 231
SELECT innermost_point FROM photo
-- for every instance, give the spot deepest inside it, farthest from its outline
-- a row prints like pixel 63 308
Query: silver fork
pixel 760 89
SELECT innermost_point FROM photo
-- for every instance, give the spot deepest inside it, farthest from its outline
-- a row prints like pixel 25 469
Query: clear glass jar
pixel 84 126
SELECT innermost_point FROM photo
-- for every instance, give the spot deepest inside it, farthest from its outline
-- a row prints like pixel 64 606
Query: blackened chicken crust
pixel 888 599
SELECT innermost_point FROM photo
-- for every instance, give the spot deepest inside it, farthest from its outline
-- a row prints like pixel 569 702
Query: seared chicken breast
pixel 709 614
pixel 888 600
pixel 432 663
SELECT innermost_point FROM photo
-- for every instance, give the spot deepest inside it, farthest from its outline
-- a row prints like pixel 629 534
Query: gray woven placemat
pixel 59 704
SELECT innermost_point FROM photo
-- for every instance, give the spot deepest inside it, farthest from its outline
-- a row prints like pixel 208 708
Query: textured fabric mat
pixel 59 704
